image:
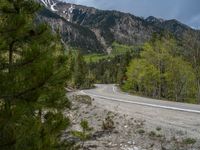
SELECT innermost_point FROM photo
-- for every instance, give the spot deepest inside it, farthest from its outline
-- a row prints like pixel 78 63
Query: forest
pixel 161 68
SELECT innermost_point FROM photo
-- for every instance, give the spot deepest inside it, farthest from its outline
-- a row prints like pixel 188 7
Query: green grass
pixel 96 57
pixel 118 49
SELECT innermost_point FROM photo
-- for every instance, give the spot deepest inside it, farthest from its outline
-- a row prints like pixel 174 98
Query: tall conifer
pixel 32 78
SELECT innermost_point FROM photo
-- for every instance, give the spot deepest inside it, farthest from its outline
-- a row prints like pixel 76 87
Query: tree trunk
pixel 9 99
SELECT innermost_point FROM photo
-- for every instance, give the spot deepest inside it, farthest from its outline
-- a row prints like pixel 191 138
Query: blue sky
pixel 186 11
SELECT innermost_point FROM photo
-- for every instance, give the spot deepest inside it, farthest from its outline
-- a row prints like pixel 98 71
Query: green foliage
pixel 189 141
pixel 141 131
pixel 118 49
pixel 191 53
pixel 29 132
pixel 80 75
pixel 160 74
pixel 111 69
pixel 33 70
pixel 85 126
pixel 142 77
pixel 158 128
pixel 152 134
pixel 180 80
pixel 96 57
pixel 85 134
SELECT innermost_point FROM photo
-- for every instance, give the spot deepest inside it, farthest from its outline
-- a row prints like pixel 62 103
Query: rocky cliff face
pixel 93 30
pixel 74 35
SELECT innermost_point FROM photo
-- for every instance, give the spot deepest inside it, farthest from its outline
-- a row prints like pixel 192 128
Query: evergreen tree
pixel 79 71
pixel 112 69
pixel 80 76
pixel 32 77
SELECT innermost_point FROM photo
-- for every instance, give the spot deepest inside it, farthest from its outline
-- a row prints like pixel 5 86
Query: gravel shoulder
pixel 136 127
pixel 169 119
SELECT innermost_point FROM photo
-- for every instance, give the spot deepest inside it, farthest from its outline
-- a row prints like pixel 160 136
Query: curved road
pixel 170 115
pixel 111 92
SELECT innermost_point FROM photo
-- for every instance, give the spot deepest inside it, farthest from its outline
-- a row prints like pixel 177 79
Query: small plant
pixel 85 134
pixel 152 134
pixel 108 123
pixel 85 99
pixel 141 131
pixel 159 135
pixel 189 141
pixel 158 128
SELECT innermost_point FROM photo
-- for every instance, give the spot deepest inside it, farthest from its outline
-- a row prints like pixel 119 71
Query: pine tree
pixel 80 71
pixel 32 77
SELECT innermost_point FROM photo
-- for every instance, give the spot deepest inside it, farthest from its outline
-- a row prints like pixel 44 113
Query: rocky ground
pixel 113 130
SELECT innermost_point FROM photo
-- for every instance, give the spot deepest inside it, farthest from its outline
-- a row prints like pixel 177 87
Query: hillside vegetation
pixel 160 74
pixel 161 69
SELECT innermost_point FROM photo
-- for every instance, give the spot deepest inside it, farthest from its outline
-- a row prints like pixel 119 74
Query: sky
pixel 186 11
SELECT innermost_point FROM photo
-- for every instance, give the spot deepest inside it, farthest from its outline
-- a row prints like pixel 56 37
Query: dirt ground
pixel 129 130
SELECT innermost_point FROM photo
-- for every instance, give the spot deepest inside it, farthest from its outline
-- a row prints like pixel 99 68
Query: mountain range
pixel 91 30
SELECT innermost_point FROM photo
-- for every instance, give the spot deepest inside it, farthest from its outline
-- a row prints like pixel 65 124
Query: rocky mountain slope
pixel 92 30
pixel 74 35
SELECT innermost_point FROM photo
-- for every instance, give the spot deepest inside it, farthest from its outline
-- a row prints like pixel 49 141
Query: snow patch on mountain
pixel 50 4
pixel 70 11
pixel 52 7
pixel 153 19
pixel 71 8
pixel 67 12
pixel 44 2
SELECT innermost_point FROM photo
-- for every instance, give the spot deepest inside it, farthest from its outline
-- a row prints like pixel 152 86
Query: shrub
pixel 108 123
pixel 189 141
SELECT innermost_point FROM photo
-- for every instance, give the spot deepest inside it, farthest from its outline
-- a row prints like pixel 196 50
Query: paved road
pixel 172 115
pixel 111 92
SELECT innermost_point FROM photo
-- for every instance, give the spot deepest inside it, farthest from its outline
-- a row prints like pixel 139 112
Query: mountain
pixel 74 35
pixel 93 30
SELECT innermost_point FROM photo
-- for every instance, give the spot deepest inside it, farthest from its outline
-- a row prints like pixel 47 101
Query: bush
pixel 141 131
pixel 152 134
pixel 189 141
pixel 85 99
pixel 158 129
pixel 85 134
pixel 108 123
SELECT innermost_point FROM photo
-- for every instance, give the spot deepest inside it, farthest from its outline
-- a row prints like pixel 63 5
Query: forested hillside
pixel 161 68
pixel 91 30
pixel 160 73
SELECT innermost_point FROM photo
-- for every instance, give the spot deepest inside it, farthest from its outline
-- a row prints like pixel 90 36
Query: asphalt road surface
pixel 172 116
